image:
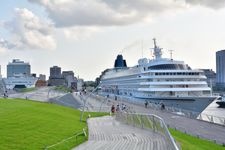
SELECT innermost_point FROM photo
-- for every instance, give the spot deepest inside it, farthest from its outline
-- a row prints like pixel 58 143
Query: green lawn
pixel 189 142
pixel 63 89
pixel 29 125
pixel 23 90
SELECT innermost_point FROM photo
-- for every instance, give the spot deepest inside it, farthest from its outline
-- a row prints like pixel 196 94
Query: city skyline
pixel 86 36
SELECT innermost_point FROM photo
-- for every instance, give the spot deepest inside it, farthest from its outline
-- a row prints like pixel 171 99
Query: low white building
pixel 19 81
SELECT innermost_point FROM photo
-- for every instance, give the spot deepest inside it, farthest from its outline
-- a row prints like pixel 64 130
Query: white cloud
pixel 215 4
pixel 80 33
pixel 6 44
pixel 67 13
pixel 28 31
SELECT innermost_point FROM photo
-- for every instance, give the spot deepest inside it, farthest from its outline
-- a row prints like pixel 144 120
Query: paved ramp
pixel 66 100
pixel 105 133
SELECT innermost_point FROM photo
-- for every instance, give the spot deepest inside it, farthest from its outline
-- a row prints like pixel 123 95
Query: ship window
pixel 169 67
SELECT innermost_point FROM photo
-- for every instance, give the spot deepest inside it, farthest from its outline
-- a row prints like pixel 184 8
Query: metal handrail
pixel 158 125
pixel 64 140
pixel 85 101
pixel 212 118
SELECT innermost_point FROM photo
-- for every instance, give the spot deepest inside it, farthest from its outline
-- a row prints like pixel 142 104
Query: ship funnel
pixel 120 62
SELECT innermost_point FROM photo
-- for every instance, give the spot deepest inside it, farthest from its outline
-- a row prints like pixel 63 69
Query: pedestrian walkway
pixel 198 128
pixel 105 133
pixel 93 104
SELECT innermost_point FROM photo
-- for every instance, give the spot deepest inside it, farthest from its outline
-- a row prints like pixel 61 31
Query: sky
pixel 85 36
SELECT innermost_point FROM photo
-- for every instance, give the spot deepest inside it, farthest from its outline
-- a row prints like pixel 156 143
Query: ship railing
pixel 148 122
pixel 212 118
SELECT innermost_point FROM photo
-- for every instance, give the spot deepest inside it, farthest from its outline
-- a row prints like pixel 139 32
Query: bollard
pixel 211 120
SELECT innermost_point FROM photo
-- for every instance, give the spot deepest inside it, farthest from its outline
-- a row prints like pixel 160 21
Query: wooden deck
pixel 105 133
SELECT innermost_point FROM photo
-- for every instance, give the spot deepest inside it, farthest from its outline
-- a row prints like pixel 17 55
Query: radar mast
pixel 157 51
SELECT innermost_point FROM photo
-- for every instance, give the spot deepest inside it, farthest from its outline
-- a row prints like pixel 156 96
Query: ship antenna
pixel 157 50
pixel 171 54
pixel 154 39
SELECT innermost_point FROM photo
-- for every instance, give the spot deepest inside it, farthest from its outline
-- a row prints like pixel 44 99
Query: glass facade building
pixel 220 68
pixel 18 67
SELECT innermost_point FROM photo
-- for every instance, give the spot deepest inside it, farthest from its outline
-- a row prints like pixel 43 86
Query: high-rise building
pixel 18 67
pixel 0 72
pixel 69 78
pixel 220 68
pixel 55 72
pixel 19 75
pixel 42 77
pixel 211 77
pixel 55 78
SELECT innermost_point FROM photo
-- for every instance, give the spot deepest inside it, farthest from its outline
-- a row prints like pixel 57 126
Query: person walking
pixel 113 109
pixel 146 104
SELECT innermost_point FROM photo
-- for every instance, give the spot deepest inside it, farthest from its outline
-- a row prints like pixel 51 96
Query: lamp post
pixel 85 101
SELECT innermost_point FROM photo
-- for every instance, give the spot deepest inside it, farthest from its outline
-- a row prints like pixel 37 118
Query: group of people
pixel 162 105
pixel 123 106
pixel 118 108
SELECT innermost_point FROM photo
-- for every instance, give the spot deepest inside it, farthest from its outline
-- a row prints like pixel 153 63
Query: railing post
pixel 153 123
pixel 132 116
pixel 142 126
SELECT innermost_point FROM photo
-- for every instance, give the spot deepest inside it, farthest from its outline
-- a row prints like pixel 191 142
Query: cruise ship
pixel 160 80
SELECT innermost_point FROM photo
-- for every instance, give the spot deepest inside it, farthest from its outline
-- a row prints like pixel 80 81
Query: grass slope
pixel 26 125
pixel 189 142
pixel 24 90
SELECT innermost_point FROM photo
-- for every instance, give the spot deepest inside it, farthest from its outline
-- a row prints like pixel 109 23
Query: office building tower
pixel 55 78
pixel 55 72
pixel 18 67
pixel 220 68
